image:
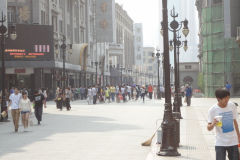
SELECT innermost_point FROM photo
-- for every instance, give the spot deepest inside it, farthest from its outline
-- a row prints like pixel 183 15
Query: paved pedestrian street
pixel 112 131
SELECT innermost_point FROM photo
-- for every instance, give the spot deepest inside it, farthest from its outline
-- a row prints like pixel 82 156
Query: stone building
pixel 73 19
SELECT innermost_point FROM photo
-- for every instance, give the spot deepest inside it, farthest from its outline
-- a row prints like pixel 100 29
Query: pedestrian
pixel 135 93
pixel 188 91
pixel 228 86
pixel 143 92
pixel 223 117
pixel 150 91
pixel 59 101
pixel 25 108
pixel 94 92
pixel 68 96
pixel 129 91
pixel 14 100
pixel 38 101
pixel 113 93
pixel 107 94
pixel 90 95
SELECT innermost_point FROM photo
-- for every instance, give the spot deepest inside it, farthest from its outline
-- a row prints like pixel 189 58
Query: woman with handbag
pixel 25 108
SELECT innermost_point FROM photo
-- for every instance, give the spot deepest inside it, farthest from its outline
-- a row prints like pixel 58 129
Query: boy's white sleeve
pixel 235 112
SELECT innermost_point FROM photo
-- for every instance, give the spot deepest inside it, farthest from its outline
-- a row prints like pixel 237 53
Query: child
pixel 222 116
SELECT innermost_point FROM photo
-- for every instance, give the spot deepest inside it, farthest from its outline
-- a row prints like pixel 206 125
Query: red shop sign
pixel 23 70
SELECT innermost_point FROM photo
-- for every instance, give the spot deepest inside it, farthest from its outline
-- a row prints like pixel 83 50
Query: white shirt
pixel 128 89
pixel 94 91
pixel 25 104
pixel 90 93
pixel 15 99
pixel 225 135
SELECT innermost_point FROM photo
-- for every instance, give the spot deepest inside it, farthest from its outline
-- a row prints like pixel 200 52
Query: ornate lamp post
pixel 157 55
pixel 175 44
pixel 3 35
pixel 96 65
pixel 63 47
pixel 121 69
pixel 168 147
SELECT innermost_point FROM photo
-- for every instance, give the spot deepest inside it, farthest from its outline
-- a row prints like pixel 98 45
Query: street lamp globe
pixel 185 30
pixel 13 35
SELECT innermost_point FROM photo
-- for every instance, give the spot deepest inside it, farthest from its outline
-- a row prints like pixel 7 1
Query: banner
pixel 105 21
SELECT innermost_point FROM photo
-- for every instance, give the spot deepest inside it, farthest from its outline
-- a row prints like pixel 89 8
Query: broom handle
pixel 156 131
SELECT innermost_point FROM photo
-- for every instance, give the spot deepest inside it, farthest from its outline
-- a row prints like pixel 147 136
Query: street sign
pixel 33 43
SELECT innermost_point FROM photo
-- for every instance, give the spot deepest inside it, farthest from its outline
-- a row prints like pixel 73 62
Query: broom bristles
pixel 148 142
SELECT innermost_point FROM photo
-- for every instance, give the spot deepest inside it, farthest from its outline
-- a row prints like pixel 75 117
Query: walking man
pixel 188 95
pixel 15 109
pixel 94 93
pixel 150 91
pixel 38 100
pixel 223 117
pixel 90 95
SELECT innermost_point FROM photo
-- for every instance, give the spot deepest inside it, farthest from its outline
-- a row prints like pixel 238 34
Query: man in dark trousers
pixel 38 101
pixel 188 91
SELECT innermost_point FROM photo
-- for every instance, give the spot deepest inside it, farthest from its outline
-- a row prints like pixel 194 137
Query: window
pixel 139 48
pixel 61 26
pixel 54 23
pixel 150 61
pixel 43 17
pixel 188 67
pixel 11 14
pixel 82 35
pixel 76 35
pixel 217 1
pixel 150 68
pixel 150 54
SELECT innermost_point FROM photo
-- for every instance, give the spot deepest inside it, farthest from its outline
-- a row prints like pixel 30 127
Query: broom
pixel 149 141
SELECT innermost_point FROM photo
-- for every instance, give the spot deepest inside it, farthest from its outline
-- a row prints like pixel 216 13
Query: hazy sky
pixel 146 12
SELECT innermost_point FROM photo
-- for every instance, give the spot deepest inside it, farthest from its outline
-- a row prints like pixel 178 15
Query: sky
pixel 147 13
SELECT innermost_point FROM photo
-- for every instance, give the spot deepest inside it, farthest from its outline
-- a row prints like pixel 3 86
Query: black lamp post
pixel 175 44
pixel 158 62
pixel 178 45
pixel 168 147
pixel 4 36
pixel 63 47
pixel 121 69
pixel 96 65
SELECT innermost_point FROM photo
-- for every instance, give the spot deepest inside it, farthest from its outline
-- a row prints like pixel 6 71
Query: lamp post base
pixel 169 152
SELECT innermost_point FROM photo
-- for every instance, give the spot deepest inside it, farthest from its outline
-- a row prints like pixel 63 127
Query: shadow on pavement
pixel 60 123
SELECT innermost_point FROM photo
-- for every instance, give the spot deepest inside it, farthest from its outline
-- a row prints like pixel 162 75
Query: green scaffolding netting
pixel 221 56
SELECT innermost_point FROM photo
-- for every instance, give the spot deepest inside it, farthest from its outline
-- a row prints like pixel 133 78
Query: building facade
pixel 125 36
pixel 150 68
pixel 189 74
pixel 218 49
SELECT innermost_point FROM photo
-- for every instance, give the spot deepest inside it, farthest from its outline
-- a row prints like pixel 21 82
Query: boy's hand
pixel 215 121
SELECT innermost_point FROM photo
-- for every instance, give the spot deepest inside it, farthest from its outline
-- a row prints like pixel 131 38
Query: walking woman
pixel 25 108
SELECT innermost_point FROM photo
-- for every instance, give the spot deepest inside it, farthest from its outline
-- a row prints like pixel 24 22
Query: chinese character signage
pixel 34 42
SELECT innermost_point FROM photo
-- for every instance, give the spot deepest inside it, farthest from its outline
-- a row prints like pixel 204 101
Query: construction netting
pixel 221 56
